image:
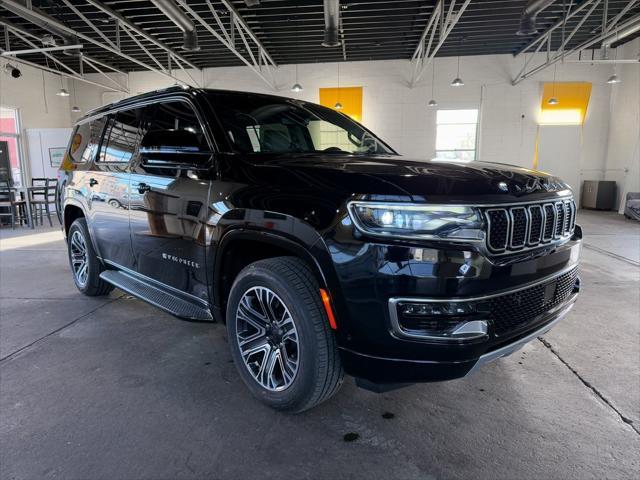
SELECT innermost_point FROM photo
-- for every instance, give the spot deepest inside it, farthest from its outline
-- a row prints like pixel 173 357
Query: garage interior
pixel 111 387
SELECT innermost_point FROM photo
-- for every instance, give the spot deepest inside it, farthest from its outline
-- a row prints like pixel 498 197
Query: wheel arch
pixel 241 247
pixel 72 211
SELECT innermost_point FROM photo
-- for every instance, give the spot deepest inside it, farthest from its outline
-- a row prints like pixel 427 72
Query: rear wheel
pixel 84 262
pixel 279 335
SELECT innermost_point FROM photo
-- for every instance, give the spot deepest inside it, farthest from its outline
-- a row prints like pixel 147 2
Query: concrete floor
pixel 112 388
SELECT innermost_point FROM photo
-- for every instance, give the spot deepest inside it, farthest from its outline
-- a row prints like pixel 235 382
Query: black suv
pixel 321 249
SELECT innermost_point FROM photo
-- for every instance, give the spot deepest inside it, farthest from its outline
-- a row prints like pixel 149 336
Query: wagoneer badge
pixel 182 261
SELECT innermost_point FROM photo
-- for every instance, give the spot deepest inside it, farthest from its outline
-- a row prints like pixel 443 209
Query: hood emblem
pixel 503 186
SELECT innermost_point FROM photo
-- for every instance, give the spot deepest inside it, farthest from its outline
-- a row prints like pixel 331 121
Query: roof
pixel 292 31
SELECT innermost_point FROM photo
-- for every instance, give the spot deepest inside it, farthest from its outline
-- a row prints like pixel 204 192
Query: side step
pixel 168 301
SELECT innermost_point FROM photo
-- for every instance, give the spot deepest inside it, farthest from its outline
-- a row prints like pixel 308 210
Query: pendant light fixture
pixel 553 100
pixel 613 79
pixel 63 92
pixel 338 105
pixel 457 82
pixel 296 86
pixel 432 102
pixel 75 108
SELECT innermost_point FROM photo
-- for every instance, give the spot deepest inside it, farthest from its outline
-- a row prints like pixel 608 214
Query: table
pixel 25 193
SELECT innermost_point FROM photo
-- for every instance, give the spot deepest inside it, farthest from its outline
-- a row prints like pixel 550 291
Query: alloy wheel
pixel 267 338
pixel 79 261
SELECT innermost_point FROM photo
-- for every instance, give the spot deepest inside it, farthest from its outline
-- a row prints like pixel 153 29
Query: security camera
pixel 13 71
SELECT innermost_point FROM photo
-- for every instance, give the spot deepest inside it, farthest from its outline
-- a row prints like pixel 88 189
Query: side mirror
pixel 173 148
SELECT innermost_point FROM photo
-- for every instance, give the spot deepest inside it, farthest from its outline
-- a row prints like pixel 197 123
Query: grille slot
pixel 560 214
pixel 498 229
pixel 519 224
pixel 549 222
pixel 514 228
pixel 535 231
pixel 514 310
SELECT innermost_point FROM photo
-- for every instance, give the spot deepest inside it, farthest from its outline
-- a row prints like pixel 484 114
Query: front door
pixel 108 187
pixel 168 210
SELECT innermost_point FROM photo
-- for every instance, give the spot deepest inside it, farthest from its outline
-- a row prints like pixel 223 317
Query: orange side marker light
pixel 326 301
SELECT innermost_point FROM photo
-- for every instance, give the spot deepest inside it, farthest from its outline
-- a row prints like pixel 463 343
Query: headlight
pixel 451 222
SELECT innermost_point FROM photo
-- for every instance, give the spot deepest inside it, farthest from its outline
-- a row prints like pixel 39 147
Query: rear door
pixel 109 187
pixel 168 209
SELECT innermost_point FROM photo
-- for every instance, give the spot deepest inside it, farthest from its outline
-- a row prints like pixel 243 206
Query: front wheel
pixel 84 262
pixel 279 335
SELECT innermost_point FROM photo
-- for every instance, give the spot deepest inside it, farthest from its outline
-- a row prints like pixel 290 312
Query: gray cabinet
pixel 599 194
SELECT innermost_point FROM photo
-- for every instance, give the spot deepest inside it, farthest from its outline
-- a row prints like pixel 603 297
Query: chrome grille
pixel 517 228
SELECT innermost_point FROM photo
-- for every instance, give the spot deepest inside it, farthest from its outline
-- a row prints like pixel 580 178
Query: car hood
pixel 400 178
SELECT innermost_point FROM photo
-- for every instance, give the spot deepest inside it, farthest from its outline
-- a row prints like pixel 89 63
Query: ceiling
pixel 292 31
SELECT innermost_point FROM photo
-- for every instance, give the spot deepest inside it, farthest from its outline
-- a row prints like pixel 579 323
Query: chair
pixel 16 208
pixel 43 198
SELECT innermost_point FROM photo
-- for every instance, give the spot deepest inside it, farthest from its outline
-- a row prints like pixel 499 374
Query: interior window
pixel 123 137
pixel 456 135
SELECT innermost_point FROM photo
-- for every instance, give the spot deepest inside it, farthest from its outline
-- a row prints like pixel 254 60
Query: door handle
pixel 92 182
pixel 143 188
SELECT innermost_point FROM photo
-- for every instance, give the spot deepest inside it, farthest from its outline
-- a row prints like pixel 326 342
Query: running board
pixel 170 302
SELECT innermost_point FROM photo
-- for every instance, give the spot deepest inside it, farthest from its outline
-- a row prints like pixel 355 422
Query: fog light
pixel 440 320
pixel 438 309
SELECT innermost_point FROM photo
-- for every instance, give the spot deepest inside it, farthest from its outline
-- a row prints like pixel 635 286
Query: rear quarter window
pixel 84 143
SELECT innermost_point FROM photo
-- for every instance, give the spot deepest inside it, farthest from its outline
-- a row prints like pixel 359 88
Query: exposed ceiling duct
pixel 40 21
pixel 618 36
pixel 331 23
pixel 529 15
pixel 184 23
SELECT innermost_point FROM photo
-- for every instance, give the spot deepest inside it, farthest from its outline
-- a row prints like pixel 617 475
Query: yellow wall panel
pixel 573 101
pixel 349 97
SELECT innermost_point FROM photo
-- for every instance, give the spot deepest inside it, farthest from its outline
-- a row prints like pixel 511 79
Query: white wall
pixel 34 94
pixel 623 152
pixel 399 114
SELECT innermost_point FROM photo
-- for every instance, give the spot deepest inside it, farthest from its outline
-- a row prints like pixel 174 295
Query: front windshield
pixel 257 124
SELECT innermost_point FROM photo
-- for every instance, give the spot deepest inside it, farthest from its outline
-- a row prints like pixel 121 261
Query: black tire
pixel 319 370
pixel 90 284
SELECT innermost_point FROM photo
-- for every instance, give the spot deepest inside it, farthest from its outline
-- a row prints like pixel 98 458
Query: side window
pixel 123 137
pixel 174 115
pixel 85 141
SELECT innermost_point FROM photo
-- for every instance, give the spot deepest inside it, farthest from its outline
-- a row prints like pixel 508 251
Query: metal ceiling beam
pixel 255 63
pixel 41 49
pixel 8 25
pixel 557 56
pixel 18 7
pixel 424 53
pixel 74 75
pixel 574 12
pixel 133 27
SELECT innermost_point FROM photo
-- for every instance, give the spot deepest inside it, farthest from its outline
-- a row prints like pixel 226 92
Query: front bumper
pixel 386 370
